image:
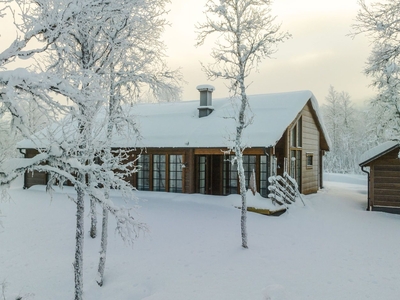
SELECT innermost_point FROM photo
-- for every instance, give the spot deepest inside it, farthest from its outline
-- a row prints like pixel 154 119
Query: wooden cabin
pixel 382 164
pixel 185 144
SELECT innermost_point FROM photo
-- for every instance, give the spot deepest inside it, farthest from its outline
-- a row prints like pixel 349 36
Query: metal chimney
pixel 205 107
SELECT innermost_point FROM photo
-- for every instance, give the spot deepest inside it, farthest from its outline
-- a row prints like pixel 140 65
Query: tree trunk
pixel 242 186
pixel 239 158
pixel 93 218
pixel 104 228
pixel 103 250
pixel 78 263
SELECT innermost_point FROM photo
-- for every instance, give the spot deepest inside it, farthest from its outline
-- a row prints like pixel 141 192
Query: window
pixel 296 134
pixel 202 174
pixel 249 164
pixel 158 172
pixel 264 173
pixel 295 166
pixel 175 173
pixel 230 179
pixel 309 160
pixel 143 174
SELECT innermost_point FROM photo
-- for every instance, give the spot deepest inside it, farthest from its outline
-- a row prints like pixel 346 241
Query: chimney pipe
pixel 205 107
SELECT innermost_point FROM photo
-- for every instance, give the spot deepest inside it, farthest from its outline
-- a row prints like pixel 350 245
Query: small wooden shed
pixel 383 177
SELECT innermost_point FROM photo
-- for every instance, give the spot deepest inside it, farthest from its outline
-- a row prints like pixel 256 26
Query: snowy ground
pixel 330 249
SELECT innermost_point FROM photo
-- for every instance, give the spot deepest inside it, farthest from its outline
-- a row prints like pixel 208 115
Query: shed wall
pixel 385 180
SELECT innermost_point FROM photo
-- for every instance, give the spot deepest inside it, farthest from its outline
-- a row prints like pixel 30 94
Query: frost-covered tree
pixel 36 119
pixel 247 33
pixel 8 140
pixel 332 116
pixel 135 65
pixel 76 147
pixel 378 125
pixel 380 21
pixel 346 128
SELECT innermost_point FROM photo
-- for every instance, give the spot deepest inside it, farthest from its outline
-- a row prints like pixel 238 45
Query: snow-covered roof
pixel 177 124
pixel 377 152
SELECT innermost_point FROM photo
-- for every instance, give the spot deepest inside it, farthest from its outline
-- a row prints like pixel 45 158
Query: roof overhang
pixel 378 152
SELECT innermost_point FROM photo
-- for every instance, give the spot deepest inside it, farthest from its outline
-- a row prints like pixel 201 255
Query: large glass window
pixel 295 166
pixel 202 174
pixel 175 173
pixel 264 173
pixel 296 134
pixel 230 184
pixel 158 172
pixel 295 152
pixel 249 164
pixel 143 174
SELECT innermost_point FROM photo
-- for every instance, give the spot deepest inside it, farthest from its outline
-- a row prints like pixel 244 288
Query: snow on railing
pixel 283 190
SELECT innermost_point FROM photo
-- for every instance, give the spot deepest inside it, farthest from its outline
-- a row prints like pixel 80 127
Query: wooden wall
pixel 311 144
pixel 385 180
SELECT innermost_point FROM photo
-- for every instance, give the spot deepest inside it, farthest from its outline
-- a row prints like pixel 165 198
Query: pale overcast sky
pixel 318 55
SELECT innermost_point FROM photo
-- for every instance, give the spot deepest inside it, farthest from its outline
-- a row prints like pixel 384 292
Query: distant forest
pixel 353 130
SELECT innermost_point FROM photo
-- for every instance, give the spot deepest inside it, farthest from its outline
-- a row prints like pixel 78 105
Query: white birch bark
pixel 79 238
pixel 93 218
pixel 103 248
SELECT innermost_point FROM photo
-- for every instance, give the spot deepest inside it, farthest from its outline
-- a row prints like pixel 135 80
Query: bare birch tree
pixel 135 65
pixel 247 34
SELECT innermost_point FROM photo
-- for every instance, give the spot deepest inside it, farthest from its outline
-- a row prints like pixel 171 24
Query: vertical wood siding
pixel 385 180
pixel 311 144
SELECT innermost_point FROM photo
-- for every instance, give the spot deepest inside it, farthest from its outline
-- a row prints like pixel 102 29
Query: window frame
pixel 309 155
pixel 159 173
pixel 175 172
pixel 296 134
pixel 143 168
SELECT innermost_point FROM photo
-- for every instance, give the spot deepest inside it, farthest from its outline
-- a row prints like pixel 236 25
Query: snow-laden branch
pixel 247 35
pixel 127 226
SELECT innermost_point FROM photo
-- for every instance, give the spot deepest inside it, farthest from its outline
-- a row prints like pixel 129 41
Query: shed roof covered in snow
pixel 378 152
pixel 177 124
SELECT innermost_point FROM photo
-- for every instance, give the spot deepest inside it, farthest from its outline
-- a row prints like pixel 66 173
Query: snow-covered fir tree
pixel 247 33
